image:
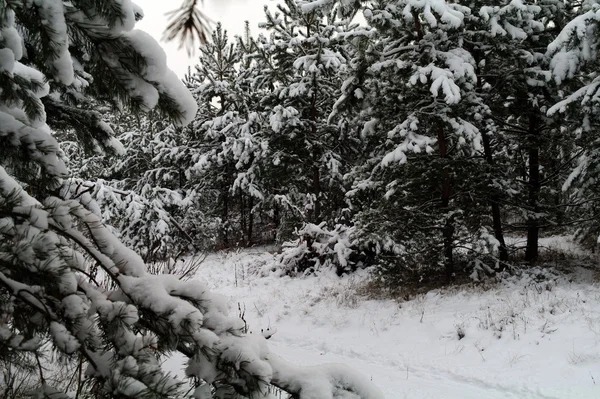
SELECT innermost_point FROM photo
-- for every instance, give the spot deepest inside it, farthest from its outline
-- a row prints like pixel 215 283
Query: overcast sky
pixel 231 13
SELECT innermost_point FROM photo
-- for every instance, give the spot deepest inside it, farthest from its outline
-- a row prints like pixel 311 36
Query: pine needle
pixel 188 25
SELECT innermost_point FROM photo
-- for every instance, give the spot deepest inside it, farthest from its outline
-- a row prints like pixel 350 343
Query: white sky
pixel 231 13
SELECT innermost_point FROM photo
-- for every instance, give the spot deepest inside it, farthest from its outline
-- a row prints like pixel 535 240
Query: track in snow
pixel 398 381
pixel 549 346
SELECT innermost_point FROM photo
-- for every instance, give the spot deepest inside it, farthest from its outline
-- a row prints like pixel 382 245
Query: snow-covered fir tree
pixel 430 78
pixel 414 140
pixel 574 65
pixel 267 107
pixel 412 86
pixel 303 59
pixel 224 133
pixel 537 153
pixel 142 192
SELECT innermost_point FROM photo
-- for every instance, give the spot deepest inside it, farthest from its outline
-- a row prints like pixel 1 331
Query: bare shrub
pixel 183 268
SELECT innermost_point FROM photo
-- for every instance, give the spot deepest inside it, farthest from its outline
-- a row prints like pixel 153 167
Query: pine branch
pixel 40 306
pixel 188 24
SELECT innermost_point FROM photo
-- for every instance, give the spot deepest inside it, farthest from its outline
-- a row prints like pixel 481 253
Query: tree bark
pixel 494 202
pixel 250 221
pixel 316 173
pixel 494 198
pixel 317 193
pixel 533 228
pixel 276 221
pixel 418 27
pixel 225 212
pixel 448 229
pixel 244 231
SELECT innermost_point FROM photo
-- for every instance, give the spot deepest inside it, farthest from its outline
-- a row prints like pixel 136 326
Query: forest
pixel 429 143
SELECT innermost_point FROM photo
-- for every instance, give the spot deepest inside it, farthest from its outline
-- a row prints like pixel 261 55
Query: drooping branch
pixel 33 301
pixel 329 381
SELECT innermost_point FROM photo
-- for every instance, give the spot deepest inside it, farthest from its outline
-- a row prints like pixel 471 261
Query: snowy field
pixel 535 336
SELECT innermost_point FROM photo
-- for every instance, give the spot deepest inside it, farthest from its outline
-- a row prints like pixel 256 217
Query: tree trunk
pixel 250 221
pixel 494 202
pixel 418 27
pixel 448 233
pixel 276 221
pixel 316 173
pixel 533 228
pixel 498 233
pixel 317 193
pixel 243 232
pixel 448 230
pixel 494 198
pixel 225 213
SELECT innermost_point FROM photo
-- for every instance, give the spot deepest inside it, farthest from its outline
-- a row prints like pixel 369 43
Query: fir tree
pixel 303 60
pixel 412 88
pixel 574 65
pixel 519 101
pixel 216 86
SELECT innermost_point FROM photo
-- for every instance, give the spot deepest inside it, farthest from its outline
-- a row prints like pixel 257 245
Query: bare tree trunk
pixel 242 218
pixel 448 229
pixel 276 222
pixel 250 221
pixel 225 213
pixel 494 199
pixel 317 193
pixel 496 216
pixel 534 186
pixel 316 173
pixel 418 27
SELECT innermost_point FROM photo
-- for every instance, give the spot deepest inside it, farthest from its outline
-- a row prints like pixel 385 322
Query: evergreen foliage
pixel 431 116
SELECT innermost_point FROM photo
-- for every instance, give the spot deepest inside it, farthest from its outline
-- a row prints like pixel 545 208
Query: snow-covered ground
pixel 534 336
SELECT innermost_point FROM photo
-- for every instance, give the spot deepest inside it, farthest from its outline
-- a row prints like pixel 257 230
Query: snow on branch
pixel 331 381
pixel 436 11
pixel 347 7
pixel 514 19
pixel 440 79
pixel 574 45
pixel 144 312
pixel 413 141
pixel 52 12
pixel 586 95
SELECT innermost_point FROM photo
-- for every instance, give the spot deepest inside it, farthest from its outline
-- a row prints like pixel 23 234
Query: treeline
pixel 410 136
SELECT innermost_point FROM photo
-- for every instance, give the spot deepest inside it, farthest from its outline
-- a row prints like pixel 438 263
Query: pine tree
pixel 451 207
pixel 267 119
pixel 574 65
pixel 141 193
pixel 519 102
pixel 303 60
pixel 217 130
pixel 413 85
